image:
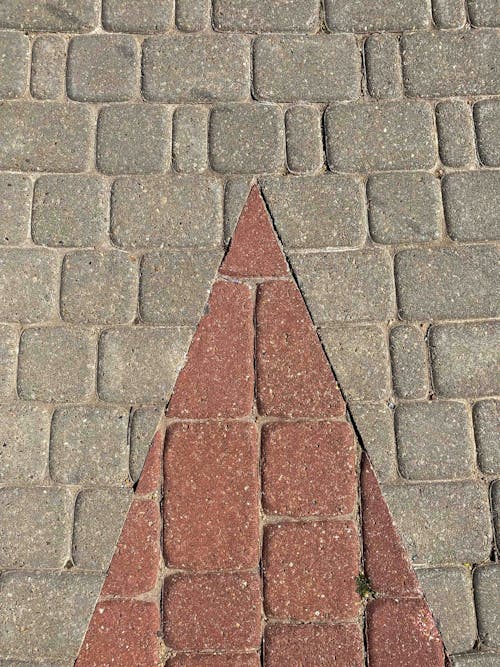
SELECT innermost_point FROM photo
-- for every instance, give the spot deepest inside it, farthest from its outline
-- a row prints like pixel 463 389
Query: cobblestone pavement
pixel 129 136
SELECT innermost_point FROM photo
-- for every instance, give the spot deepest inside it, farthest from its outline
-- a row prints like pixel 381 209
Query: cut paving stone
pixel 9 343
pixel 470 201
pixel 486 426
pixel 15 205
pixel 487 119
pixel 487 591
pixel 456 133
pixel 142 428
pixel 193 15
pixel 477 660
pixel 449 13
pixel 48 54
pixel 375 423
pixel 495 504
pixel 384 15
pixel 137 16
pixel 60 15
pixel 484 12
pixel 271 16
pixel 215 660
pixel 14 59
pixel 383 66
pixel 190 137
pixel 410 373
pixel 304 145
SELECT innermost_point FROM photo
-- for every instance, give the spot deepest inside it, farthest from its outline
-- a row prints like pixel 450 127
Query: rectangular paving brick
pixel 211 505
pixel 455 128
pixel 37 136
pixel 50 15
pixel 332 62
pixel 487 120
pixel 193 15
pixel 449 13
pixel 430 63
pixel 410 372
pixel 196 68
pixel 470 201
pixel 464 359
pixel 215 660
pixel 486 427
pixel 212 612
pixel 48 67
pixel 139 16
pixel 269 16
pixel 383 66
pixel 383 15
pixel 304 139
pixel 310 571
pixel 150 212
pixel 14 54
pixel 448 283
pixel 15 207
pixel 385 135
pixel 484 12
pixel 190 138
pixel 487 591
pixel 9 343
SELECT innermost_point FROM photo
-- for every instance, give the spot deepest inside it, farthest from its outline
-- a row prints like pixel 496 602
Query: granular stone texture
pixel 139 16
pixel 449 13
pixel 383 65
pixel 487 119
pixel 56 15
pixel 214 660
pixel 14 53
pixel 48 77
pixel 410 373
pixel 193 15
pixel 486 425
pixel 9 343
pixel 456 133
pixel 470 201
pixel 487 591
pixel 389 15
pixel 484 12
pixel 189 139
pixel 15 208
pixel 304 145
pixel 270 16
pixel 24 442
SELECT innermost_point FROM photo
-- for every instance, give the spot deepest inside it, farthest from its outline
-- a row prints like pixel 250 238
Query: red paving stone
pixel 218 612
pixel 309 469
pixel 254 250
pixel 294 378
pixel 231 660
pixel 211 505
pixel 339 645
pixel 151 475
pixel 403 633
pixel 218 378
pixel 310 571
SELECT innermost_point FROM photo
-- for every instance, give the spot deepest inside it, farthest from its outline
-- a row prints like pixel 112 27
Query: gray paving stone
pixel 35 527
pixel 139 16
pixel 444 64
pixel 321 211
pixel 456 133
pixel 464 359
pixel 487 594
pixel 347 286
pixel 477 660
pixel 442 522
pixel 193 15
pixel 103 68
pixel 142 430
pixel 236 193
pixel 385 135
pixel 48 67
pixel 99 287
pixel 15 663
pixel 190 139
pixel 471 201
pixel 70 210
pixel 36 136
pixel 487 119
pixel 196 68
pixel 449 594
pixel 375 423
pixel 29 284
pixel 434 440
pixel 134 139
pixel 9 337
pixel 24 442
pixel 448 283
pixel 312 68
pixel 359 358
pixel 486 428
pixel 304 139
pixel 15 208
pixel 141 364
pixel 484 12
pixel 151 212
pixel 50 15
pixel 99 517
pixel 389 15
pixel 56 364
pixel 449 13
pixel 410 374
pixel 45 615
pixel 269 16
pixel 14 58
pixel 383 63
pixel 175 286
pixel 495 505
pixel 88 446
pixel 404 208
pixel 247 139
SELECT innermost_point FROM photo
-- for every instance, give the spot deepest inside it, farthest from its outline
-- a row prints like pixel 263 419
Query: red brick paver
pixel 215 660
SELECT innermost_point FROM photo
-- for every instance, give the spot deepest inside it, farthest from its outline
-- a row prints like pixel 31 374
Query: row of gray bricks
pixel 151 16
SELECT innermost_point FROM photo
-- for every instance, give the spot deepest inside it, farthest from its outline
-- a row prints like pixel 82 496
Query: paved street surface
pixel 130 135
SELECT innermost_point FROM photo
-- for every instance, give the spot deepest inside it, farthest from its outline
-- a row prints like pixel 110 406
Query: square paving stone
pixel 487 594
pixel 139 16
pixel 486 428
pixel 9 342
pixel 434 440
pixel 269 16
pixel 14 59
pixel 193 15
pixel 15 208
pixel 88 445
pixel 471 200
pixel 487 119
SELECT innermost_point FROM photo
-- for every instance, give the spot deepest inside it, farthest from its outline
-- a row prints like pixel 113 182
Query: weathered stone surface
pixel 434 440
pixel 486 428
pixel 70 210
pixel 487 592
pixel 196 68
pixel 9 338
pixel 442 522
pixel 317 211
pixel 495 503
pixel 383 63
pixel 448 283
pixel 456 133
pixel 449 13
pixel 348 286
pixel 214 660
pixel 385 135
pixel 484 12
pixel 48 15
pixel 48 77
pixel 476 660
pixel 150 212
pixel 304 141
pixel 35 607
pixel 410 373
pixel 35 527
pixel 388 15
pixel 471 200
pixel 88 446
pixel 142 429
pixel 359 357
pixel 236 193
pixel 404 208
pixel 430 63
pixel 487 119
pixel 15 208
pixel 139 16
pixel 247 139
pixel 24 451
pixel 14 59
pixel 270 16
pixel 99 287
pixel 449 594
pixel 37 136
pixel 332 64
pixel 464 358
pixel 193 15
pixel 56 364
pixel 375 423
pixel 190 139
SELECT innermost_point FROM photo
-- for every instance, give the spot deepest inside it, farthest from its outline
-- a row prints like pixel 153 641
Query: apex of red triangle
pixel 255 250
